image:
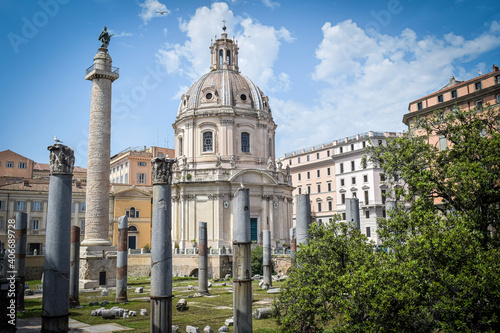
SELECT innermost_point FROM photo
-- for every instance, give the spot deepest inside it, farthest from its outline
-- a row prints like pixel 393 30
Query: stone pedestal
pixel 97 266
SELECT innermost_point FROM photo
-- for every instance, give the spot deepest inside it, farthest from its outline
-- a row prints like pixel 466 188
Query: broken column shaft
pixel 303 218
pixel 203 260
pixel 161 247
pixel 74 270
pixel 352 212
pixel 266 259
pixel 55 302
pixel 242 269
pixel 121 260
pixel 20 255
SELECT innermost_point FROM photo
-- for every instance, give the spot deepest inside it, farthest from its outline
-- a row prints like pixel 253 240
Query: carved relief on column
pixel 62 159
pixel 162 170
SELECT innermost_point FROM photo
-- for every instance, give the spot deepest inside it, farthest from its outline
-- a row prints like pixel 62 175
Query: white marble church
pixel 224 134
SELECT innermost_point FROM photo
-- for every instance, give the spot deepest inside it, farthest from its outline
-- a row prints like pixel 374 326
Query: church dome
pixel 224 87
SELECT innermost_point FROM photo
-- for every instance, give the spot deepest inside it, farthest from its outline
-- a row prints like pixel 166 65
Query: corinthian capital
pixel 62 159
pixel 162 170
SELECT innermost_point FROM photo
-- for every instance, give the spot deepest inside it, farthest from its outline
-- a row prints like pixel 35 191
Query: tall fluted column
pixel 55 301
pixel 102 75
pixel 161 247
pixel 242 267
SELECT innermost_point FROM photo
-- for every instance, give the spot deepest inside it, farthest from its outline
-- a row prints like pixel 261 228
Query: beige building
pixel 479 91
pixel 332 172
pixel 224 133
pixel 313 171
pixel 14 166
pixel 31 197
pixel 133 165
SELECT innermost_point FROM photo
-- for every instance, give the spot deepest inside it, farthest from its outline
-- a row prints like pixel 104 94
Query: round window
pixel 209 96
pixel 243 97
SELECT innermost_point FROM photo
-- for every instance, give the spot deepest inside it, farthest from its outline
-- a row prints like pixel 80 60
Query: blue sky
pixel 331 69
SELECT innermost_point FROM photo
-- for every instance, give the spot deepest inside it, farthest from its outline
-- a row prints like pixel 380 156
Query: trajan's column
pixel 97 257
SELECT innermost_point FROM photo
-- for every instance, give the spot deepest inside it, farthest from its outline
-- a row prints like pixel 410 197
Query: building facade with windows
pixel 367 184
pixel 476 92
pixel 31 197
pixel 224 133
pixel 313 171
pixel 132 165
pixel 14 166
pixel 332 172
pixel 134 202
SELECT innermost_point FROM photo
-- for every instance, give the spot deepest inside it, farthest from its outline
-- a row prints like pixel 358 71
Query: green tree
pixel 257 261
pixel 317 289
pixel 442 269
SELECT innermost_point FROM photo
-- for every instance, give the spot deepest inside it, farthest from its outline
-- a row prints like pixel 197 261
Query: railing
pixel 101 67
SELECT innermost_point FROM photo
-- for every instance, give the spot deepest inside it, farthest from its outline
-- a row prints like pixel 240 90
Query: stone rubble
pixel 192 329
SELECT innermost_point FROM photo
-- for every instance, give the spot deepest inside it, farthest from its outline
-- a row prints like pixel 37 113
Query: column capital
pixel 162 170
pixel 62 159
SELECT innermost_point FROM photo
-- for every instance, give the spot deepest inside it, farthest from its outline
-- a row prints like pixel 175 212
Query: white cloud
pixel 120 34
pixel 150 9
pixel 193 58
pixel 371 78
pixel 270 4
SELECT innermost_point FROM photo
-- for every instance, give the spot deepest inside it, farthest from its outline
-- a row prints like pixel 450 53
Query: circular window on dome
pixel 209 96
pixel 243 97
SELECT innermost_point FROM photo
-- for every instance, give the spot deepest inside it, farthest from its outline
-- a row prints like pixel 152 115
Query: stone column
pixel 242 268
pixel 203 260
pixel 266 258
pixel 161 247
pixel 390 205
pixel 352 211
pixel 303 218
pixel 74 264
pixel 20 255
pixel 97 255
pixel 293 248
pixel 102 76
pixel 55 301
pixel 121 260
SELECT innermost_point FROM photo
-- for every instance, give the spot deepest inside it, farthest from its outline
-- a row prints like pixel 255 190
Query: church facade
pixel 225 139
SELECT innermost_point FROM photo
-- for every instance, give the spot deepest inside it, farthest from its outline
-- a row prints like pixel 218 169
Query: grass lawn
pixel 203 311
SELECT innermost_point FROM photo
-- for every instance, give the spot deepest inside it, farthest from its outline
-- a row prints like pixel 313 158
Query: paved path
pixel 31 325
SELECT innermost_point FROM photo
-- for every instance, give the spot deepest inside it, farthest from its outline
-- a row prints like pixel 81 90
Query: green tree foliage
pixel 442 269
pixel 257 261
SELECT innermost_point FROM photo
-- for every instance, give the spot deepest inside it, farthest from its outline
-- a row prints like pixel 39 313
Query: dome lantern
pixel 224 53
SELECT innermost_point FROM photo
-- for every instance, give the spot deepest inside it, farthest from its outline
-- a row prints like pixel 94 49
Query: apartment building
pixel 332 172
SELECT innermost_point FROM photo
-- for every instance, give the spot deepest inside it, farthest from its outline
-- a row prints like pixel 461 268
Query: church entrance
pixel 253 229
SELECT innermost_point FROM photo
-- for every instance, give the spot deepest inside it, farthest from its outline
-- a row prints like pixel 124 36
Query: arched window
pixel 245 142
pixel 181 150
pixel 228 57
pixel 221 57
pixel 132 228
pixel 208 142
pixel 132 212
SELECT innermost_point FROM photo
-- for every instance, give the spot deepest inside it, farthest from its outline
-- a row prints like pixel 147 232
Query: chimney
pixel 495 68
